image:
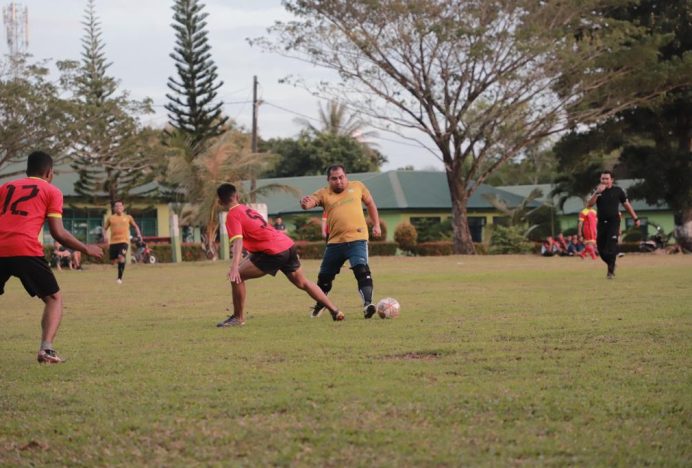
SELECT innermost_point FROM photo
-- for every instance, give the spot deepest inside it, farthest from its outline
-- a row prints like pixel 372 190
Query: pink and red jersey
pixel 24 206
pixel 258 235
pixel 589 221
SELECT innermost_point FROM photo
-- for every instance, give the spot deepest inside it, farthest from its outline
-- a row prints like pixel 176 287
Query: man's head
pixel 607 178
pixel 227 194
pixel 118 207
pixel 40 164
pixel 336 176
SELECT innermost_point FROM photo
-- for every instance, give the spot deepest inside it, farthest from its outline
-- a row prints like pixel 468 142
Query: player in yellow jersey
pixel 119 223
pixel 343 201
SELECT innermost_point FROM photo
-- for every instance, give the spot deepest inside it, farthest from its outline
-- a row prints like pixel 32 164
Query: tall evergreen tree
pixel 193 108
pixel 108 153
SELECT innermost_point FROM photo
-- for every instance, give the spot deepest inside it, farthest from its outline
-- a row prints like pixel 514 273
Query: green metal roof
pixel 574 205
pixel 392 190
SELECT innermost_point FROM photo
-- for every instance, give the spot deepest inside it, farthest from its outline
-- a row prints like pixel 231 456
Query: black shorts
pixel 34 273
pixel 116 250
pixel 286 261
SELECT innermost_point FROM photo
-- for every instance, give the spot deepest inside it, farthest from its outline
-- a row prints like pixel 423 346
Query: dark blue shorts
pixel 335 255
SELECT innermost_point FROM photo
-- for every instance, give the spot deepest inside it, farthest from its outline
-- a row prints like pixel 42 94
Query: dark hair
pixel 333 168
pixel 225 192
pixel 610 173
pixel 38 164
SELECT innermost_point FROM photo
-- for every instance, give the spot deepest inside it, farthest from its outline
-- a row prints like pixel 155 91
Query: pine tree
pixel 107 152
pixel 193 108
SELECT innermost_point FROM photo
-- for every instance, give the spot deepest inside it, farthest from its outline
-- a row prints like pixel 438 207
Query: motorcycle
pixel 142 253
pixel 658 241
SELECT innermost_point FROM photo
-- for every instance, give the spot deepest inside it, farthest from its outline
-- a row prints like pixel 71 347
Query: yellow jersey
pixel 344 212
pixel 120 228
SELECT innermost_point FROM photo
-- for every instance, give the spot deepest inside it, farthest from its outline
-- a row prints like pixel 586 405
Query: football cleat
pixel 316 310
pixel 48 356
pixel 231 321
pixel 369 310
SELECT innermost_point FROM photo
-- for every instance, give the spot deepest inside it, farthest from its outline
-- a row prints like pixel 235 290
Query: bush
pixel 436 248
pixel 406 237
pixel 382 249
pixel 308 249
pixel 508 240
pixel 307 228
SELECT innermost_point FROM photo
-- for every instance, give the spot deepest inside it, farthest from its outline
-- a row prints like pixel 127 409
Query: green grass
pixel 501 360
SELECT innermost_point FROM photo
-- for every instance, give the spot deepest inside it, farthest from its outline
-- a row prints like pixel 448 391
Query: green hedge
pixel 445 247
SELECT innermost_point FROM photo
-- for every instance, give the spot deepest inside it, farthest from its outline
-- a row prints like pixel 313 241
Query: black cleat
pixel 369 310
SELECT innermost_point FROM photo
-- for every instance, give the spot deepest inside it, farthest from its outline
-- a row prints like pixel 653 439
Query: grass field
pixel 501 360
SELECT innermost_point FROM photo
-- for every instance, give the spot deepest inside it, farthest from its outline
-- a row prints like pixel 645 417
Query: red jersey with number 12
pixel 24 206
pixel 258 235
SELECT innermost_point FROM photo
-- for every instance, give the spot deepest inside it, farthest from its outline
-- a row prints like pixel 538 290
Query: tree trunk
pixel 683 231
pixel 463 243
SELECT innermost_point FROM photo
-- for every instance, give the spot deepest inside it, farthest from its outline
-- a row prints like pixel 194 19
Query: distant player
pixel 607 198
pixel 587 229
pixel 119 223
pixel 347 229
pixel 25 204
pixel 270 251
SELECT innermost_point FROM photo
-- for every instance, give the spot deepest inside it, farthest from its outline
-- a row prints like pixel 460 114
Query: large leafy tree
pixel 482 81
pixel 193 107
pixel 311 153
pixel 652 143
pixel 110 150
pixel 32 115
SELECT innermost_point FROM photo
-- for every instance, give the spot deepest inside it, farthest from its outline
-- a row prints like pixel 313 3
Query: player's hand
pixel 600 188
pixel 637 223
pixel 305 202
pixel 234 276
pixel 94 251
pixel 376 231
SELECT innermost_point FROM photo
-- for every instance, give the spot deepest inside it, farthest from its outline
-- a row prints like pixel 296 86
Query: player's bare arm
pixel 132 222
pixel 374 216
pixel 237 252
pixel 630 210
pixel 57 230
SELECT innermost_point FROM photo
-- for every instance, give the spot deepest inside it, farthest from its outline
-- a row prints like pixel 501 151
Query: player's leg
pixel 122 253
pixel 50 322
pixel 332 261
pixel 38 280
pixel 358 258
pixel 293 271
pixel 247 271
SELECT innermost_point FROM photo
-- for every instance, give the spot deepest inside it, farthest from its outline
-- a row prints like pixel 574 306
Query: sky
pixel 138 39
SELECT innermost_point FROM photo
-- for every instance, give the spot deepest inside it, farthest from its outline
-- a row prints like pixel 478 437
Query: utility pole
pixel 255 105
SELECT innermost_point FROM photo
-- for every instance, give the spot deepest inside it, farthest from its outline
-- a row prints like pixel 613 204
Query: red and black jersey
pixel 24 206
pixel 258 235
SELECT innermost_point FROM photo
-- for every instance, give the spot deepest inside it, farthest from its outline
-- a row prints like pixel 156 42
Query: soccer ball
pixel 388 308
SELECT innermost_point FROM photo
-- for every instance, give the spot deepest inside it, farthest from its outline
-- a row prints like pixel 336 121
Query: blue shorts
pixel 335 255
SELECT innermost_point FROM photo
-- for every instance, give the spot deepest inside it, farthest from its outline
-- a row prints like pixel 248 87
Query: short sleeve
pixel 623 196
pixel 54 208
pixel 319 196
pixel 233 226
pixel 365 193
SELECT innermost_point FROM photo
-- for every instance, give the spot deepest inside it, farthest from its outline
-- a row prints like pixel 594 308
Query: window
pixel 476 224
pixel 147 221
pixel 84 223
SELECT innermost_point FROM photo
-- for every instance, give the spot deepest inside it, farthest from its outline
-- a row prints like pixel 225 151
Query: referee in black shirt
pixel 607 199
